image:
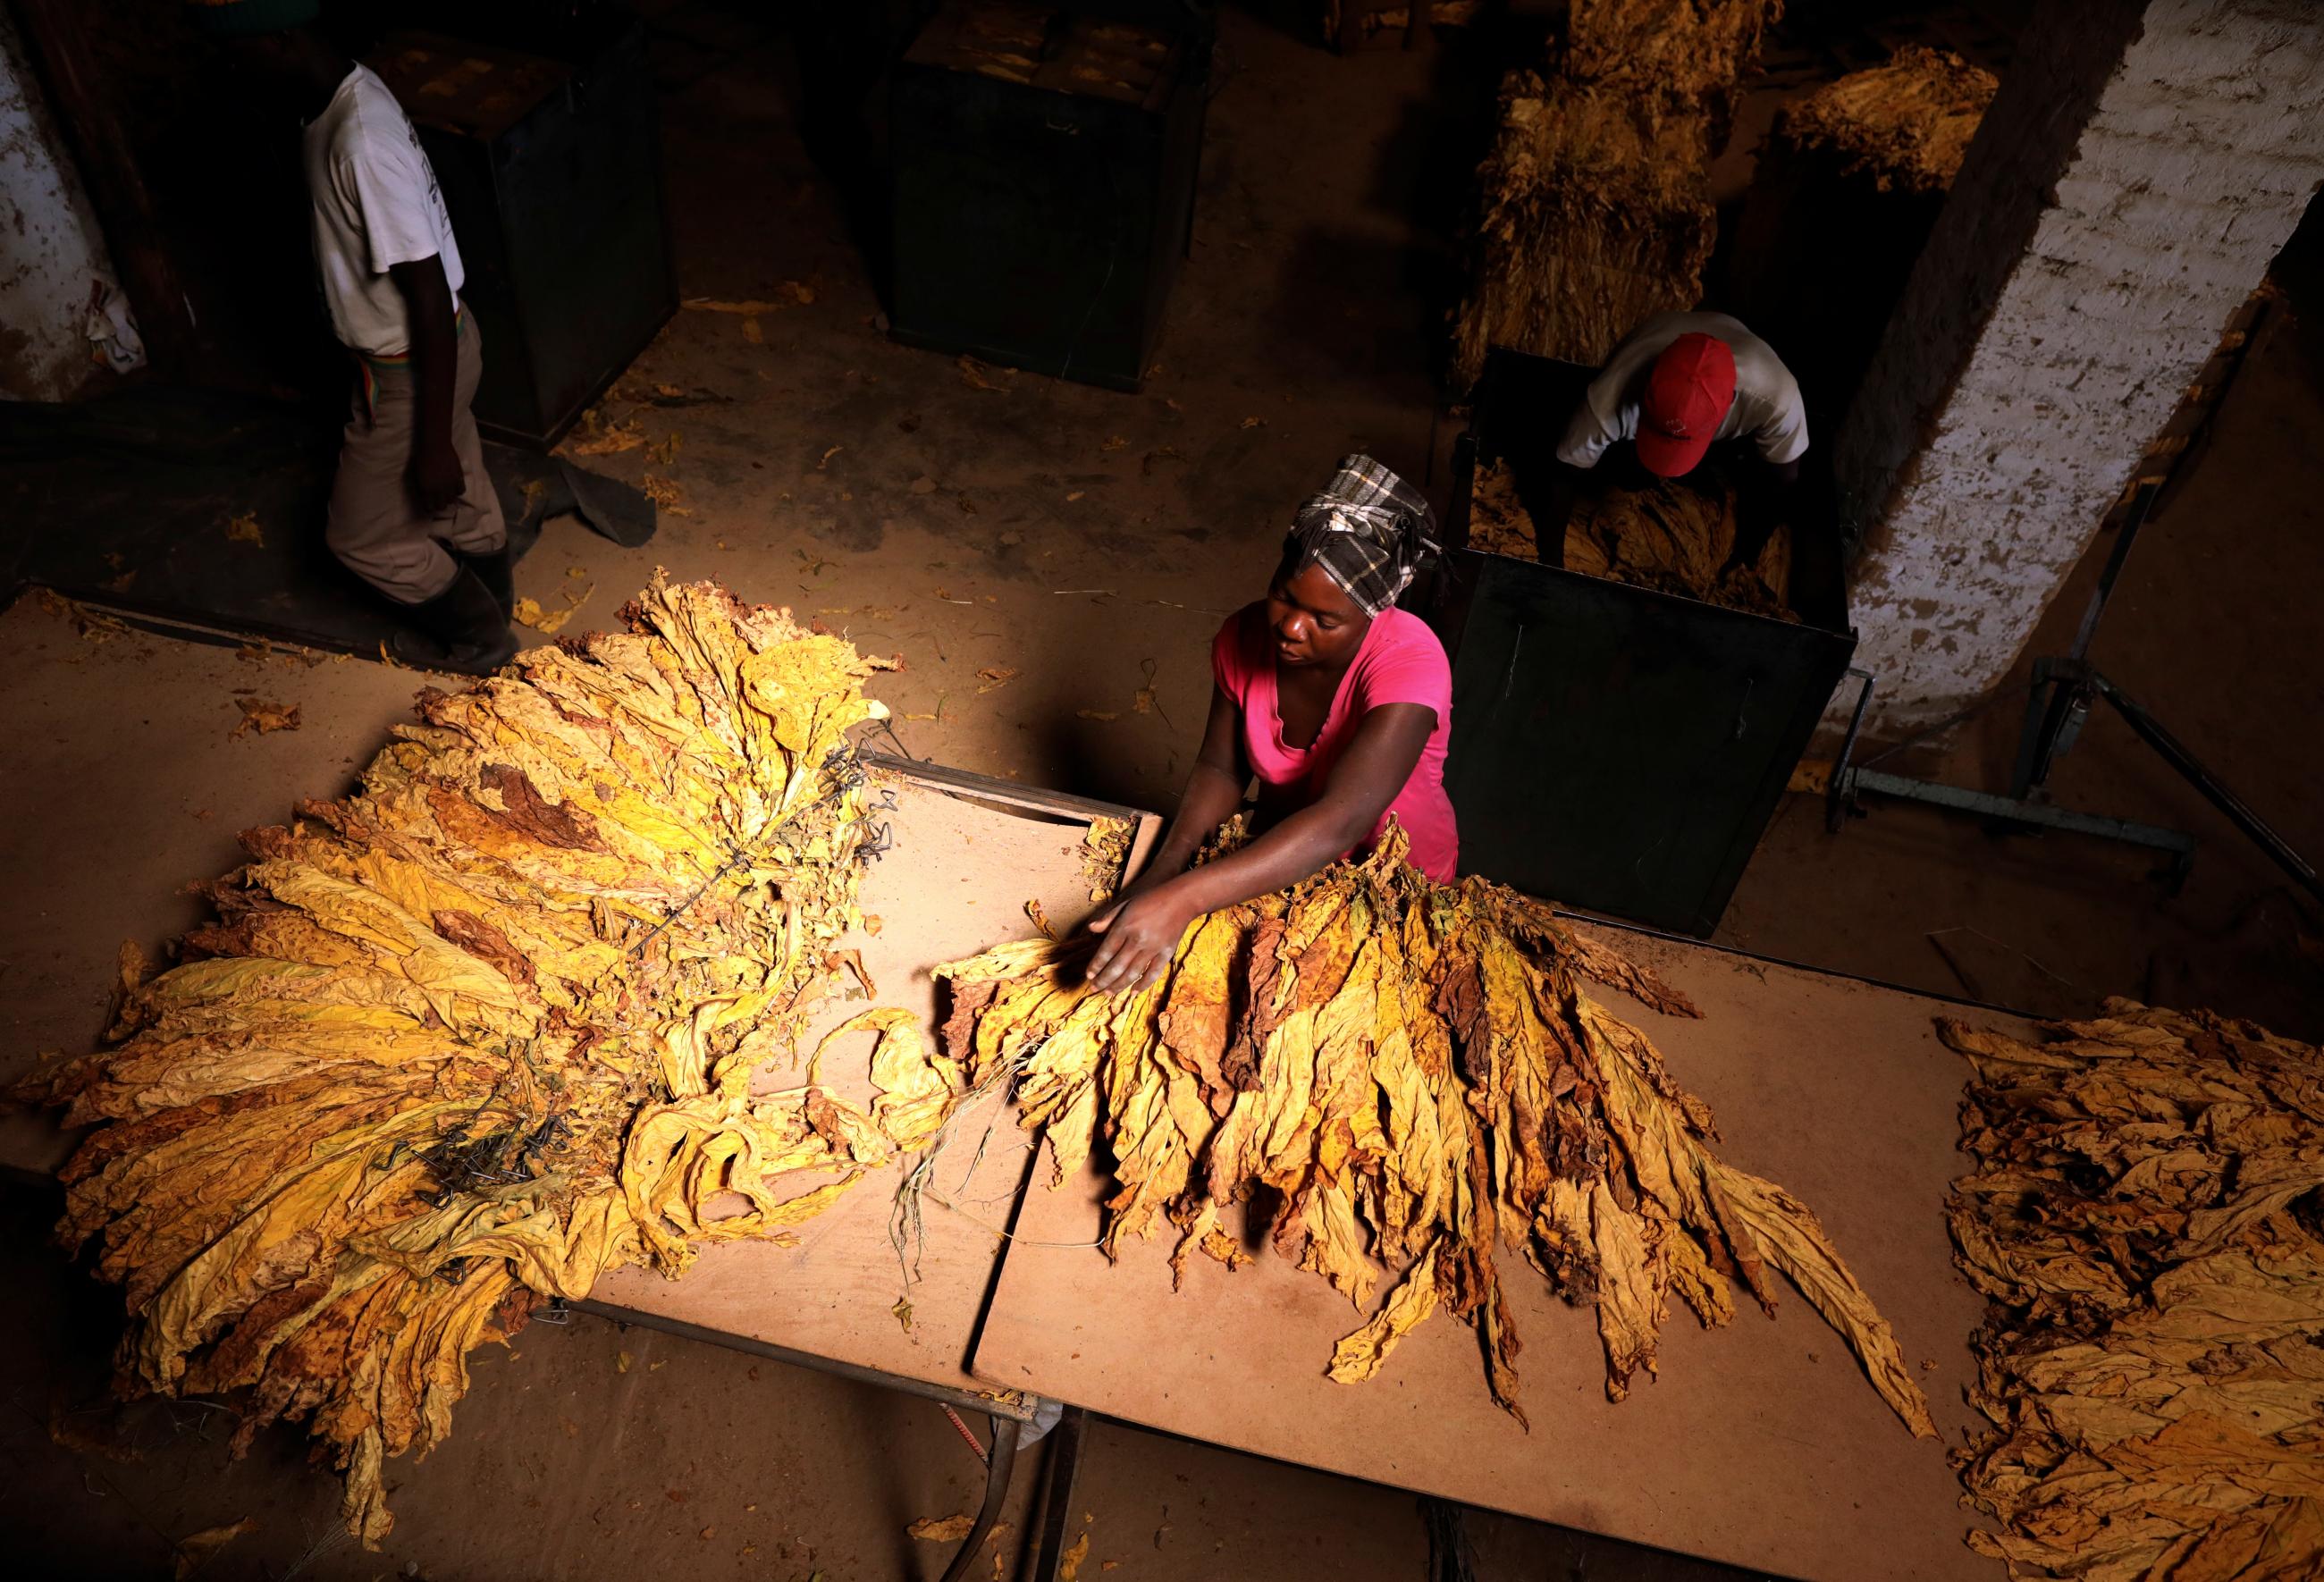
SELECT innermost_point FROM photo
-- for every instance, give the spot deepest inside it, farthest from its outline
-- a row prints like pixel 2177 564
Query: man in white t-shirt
pixel 1679 384
pixel 412 511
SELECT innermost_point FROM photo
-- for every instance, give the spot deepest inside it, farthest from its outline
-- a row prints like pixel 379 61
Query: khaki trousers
pixel 374 525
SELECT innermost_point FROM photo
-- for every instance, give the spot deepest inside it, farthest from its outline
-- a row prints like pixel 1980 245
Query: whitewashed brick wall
pixel 2141 167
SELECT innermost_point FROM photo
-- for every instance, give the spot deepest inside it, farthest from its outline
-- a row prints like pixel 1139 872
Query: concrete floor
pixel 1090 541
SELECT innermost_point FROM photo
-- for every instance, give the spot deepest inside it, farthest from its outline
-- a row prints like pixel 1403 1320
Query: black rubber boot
pixel 497 572
pixel 465 631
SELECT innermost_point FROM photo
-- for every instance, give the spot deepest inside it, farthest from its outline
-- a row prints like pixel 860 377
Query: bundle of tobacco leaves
pixel 1414 1075
pixel 1675 535
pixel 2144 1219
pixel 1904 126
pixel 1869 157
pixel 1692 51
pixel 1596 200
pixel 1596 215
pixel 468 1038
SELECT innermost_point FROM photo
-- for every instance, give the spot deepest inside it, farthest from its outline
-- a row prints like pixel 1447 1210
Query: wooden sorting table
pixel 1761 1444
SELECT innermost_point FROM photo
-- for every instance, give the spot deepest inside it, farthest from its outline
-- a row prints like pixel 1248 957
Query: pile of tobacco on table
pixel 474 1035
pixel 464 1040
pixel 1416 1075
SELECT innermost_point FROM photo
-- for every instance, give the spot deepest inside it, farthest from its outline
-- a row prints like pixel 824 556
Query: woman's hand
pixel 1139 936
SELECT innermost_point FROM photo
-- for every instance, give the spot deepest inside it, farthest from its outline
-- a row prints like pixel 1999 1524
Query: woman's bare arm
pixel 1214 789
pixel 1142 930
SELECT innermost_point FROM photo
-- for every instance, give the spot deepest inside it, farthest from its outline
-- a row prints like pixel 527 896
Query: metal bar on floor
pixel 2013 810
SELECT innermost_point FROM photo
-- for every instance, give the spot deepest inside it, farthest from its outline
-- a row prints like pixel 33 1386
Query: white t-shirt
pixel 1766 407
pixel 376 206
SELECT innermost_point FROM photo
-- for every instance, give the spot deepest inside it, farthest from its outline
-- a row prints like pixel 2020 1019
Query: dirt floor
pixel 1078 548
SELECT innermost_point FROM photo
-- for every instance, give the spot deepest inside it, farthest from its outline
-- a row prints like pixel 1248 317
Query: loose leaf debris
pixel 1412 1072
pixel 196 1550
pixel 95 625
pixel 973 374
pixel 264 717
pixel 549 622
pixel 942 1529
pixel 593 437
pixel 243 529
pixel 469 1038
pixel 992 676
pixel 2144 1223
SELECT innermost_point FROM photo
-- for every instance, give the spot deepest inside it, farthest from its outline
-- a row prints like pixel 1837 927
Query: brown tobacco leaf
pixel 264 717
pixel 196 1550
pixel 1412 1073
pixel 2141 1224
pixel 973 374
pixel 471 1038
pixel 942 1529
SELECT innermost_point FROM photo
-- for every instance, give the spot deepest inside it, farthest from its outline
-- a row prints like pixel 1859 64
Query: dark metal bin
pixel 1614 748
pixel 551 170
pixel 1041 223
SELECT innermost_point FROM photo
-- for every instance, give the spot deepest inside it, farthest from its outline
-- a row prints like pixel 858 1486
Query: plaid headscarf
pixel 1369 530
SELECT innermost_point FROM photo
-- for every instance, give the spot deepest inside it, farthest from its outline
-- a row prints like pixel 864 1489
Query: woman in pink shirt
pixel 1336 701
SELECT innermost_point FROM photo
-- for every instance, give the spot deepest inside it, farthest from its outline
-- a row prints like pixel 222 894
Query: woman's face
pixel 1313 619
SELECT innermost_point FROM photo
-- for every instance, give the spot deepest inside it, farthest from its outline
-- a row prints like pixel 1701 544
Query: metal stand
pixel 2063 690
pixel 999 1463
pixel 1058 1473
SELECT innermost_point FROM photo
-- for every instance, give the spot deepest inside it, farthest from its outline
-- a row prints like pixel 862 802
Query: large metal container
pixel 1614 748
pixel 551 170
pixel 1041 223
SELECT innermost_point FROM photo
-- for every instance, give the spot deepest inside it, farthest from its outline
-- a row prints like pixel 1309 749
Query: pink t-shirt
pixel 1399 662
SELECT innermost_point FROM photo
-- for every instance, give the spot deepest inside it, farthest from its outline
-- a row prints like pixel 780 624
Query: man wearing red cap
pixel 1681 382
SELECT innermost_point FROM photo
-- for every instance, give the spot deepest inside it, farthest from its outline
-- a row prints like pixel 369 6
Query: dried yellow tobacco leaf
pixel 2143 1222
pixel 1413 1075
pixel 467 1039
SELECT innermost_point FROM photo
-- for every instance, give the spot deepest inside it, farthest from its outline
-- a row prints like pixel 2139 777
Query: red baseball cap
pixel 1688 393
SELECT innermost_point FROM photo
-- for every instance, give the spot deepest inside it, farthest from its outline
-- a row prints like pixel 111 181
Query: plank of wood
pixel 969 852
pixel 1760 1444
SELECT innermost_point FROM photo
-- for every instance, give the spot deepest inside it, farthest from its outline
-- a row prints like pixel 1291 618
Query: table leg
pixel 1063 1466
pixel 1000 1461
